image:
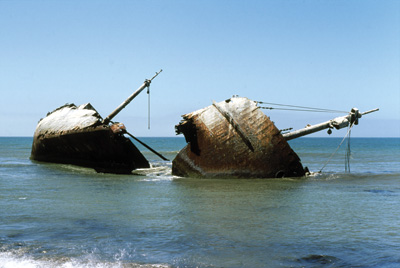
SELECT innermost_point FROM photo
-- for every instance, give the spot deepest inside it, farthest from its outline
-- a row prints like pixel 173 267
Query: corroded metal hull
pixel 76 135
pixel 234 138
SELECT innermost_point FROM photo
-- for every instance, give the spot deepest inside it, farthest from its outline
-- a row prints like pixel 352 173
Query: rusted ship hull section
pixel 76 135
pixel 234 138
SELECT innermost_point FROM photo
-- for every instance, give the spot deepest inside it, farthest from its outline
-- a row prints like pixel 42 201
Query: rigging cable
pixel 321 110
pixel 298 108
pixel 148 105
pixel 303 110
pixel 348 154
pixel 348 161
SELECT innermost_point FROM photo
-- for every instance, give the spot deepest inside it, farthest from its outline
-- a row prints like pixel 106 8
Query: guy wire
pixel 348 133
pixel 301 108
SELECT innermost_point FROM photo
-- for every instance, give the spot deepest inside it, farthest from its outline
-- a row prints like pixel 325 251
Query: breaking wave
pixel 19 259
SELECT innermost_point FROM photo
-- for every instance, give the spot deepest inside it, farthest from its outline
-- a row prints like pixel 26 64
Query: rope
pixel 348 133
pixel 347 155
pixel 301 108
pixel 148 105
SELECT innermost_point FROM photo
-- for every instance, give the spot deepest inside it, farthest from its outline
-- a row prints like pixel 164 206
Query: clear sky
pixel 326 54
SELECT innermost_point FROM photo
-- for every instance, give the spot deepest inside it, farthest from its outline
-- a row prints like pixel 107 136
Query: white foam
pixel 155 173
pixel 13 260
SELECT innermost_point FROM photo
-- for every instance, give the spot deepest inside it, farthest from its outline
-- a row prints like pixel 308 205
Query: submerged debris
pixel 76 135
pixel 79 136
pixel 234 138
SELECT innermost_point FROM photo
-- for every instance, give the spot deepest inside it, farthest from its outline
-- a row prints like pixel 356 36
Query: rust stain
pixel 94 145
pixel 234 138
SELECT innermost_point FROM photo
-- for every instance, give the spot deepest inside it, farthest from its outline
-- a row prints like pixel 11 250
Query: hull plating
pixel 74 135
pixel 234 138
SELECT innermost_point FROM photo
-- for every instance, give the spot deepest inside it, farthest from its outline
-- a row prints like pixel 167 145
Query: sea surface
pixel 55 215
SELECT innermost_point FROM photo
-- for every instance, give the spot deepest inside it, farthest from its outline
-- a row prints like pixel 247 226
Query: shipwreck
pixel 78 135
pixel 235 138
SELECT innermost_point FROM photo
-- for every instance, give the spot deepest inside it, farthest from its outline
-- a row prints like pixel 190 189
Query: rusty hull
pixel 234 138
pixel 95 145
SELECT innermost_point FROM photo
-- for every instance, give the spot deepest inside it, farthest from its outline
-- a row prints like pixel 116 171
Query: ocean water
pixel 55 215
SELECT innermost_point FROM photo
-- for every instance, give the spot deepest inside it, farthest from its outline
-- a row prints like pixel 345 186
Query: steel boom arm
pixel 338 123
pixel 129 99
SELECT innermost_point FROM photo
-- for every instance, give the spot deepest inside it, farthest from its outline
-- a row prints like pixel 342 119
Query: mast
pixel 338 123
pixel 145 84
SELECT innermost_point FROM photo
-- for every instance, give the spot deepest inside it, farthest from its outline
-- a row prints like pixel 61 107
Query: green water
pixel 66 216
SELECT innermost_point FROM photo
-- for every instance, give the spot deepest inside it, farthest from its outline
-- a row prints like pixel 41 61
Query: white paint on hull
pixel 68 117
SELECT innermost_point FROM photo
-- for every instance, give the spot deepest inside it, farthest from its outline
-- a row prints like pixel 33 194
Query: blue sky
pixel 326 54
